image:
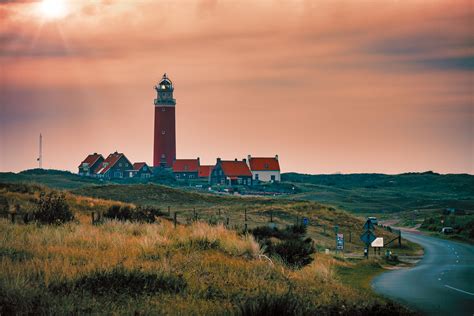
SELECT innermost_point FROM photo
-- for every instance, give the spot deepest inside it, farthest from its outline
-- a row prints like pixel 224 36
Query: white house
pixel 264 169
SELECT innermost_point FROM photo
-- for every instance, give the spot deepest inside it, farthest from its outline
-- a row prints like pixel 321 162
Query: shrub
pixel 127 213
pixel 52 208
pixel 295 252
pixel 122 281
pixel 291 232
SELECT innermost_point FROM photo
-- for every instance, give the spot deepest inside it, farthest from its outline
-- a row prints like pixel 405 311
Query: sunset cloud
pixel 330 86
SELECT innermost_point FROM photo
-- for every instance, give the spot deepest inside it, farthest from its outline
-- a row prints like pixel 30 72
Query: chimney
pixel 218 160
pixel 199 162
pixel 249 157
pixel 276 157
pixel 244 160
pixel 235 159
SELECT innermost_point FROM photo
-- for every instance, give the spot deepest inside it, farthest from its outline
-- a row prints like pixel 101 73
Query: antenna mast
pixel 40 157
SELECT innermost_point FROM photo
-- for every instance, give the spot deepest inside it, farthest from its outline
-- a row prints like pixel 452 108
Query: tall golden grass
pixel 221 268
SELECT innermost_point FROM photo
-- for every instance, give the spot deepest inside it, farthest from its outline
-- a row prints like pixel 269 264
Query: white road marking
pixel 453 288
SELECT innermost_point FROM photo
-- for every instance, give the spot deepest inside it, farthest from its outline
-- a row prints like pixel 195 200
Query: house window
pixel 163 132
pixel 126 164
pixel 273 178
pixel 117 174
pixel 163 109
pixel 256 176
pixel 120 164
pixel 163 156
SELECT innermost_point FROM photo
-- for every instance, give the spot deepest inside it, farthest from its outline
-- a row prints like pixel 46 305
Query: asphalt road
pixel 442 283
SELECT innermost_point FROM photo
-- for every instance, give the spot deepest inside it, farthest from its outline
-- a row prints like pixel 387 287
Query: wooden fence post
pixel 227 222
pixel 92 218
pixel 399 239
pixel 245 228
pixel 13 218
pixel 174 219
pixel 169 211
pixel 271 216
pixel 219 212
pixel 245 215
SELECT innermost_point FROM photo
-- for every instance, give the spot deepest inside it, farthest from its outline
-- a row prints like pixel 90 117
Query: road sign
pixel 377 243
pixel 367 237
pixel 305 221
pixel 369 225
pixel 340 241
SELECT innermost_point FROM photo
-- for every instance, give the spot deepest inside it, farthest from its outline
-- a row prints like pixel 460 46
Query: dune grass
pixel 124 268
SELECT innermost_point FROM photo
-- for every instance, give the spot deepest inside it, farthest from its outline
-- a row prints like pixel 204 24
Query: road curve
pixel 442 283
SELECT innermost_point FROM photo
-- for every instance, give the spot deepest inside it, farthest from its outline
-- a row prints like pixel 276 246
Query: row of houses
pixel 230 172
pixel 115 166
pixel 226 172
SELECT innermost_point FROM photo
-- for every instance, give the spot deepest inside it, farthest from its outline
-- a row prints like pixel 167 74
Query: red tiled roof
pixel 263 164
pixel 91 159
pixel 186 165
pixel 205 171
pixel 235 168
pixel 138 165
pixel 108 163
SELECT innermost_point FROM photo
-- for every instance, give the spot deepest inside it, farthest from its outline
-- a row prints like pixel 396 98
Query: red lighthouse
pixel 164 149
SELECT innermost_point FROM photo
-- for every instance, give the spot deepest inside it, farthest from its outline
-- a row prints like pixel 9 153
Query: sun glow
pixel 53 9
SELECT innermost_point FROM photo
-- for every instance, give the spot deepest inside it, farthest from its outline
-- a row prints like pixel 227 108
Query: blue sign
pixel 368 237
pixel 340 241
pixel 369 225
pixel 305 221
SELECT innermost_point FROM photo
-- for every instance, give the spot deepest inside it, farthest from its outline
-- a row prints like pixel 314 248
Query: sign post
pixel 368 236
pixel 340 242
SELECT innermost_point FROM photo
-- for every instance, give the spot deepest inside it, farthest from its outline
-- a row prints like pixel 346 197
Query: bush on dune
pixel 52 208
pixel 126 213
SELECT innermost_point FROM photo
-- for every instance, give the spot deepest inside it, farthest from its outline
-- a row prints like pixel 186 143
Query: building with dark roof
pixel 231 172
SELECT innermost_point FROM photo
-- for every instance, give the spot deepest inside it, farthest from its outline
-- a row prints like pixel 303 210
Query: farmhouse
pixel 140 170
pixel 231 172
pixel 264 169
pixel 88 165
pixel 186 168
pixel 115 166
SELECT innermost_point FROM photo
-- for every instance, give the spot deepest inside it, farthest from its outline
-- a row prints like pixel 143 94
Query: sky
pixel 351 86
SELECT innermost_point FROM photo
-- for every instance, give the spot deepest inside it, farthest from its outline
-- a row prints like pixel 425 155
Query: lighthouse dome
pixel 165 84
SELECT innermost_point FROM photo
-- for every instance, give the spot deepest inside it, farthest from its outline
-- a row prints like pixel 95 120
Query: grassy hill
pixel 380 193
pixel 52 178
pixel 137 268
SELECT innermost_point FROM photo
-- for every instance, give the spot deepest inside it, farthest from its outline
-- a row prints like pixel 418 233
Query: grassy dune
pixel 195 268
pixel 127 268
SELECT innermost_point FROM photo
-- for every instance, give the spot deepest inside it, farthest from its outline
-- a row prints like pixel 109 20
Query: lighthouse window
pixel 163 132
